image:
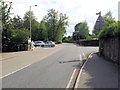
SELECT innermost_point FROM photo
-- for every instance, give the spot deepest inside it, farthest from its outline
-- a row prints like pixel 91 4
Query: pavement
pixel 98 73
pixel 8 55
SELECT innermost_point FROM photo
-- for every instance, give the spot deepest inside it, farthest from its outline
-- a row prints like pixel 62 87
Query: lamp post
pixel 30 25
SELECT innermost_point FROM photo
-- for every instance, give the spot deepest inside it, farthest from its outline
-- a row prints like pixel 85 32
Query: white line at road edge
pixel 15 71
pixel 70 81
pixel 77 82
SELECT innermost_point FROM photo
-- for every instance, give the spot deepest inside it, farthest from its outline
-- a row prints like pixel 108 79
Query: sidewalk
pixel 98 73
pixel 8 55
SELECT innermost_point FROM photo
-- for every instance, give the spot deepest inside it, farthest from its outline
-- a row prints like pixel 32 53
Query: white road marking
pixel 15 71
pixel 78 79
pixel 70 81
pixel 80 57
pixel 84 56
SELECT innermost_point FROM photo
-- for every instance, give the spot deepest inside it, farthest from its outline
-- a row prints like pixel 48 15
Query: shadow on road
pixel 61 62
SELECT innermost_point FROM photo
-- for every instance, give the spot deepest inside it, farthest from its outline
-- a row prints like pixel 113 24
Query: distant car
pixel 38 43
pixel 48 44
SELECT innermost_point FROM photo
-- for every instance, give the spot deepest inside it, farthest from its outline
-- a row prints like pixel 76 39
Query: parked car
pixel 48 44
pixel 38 43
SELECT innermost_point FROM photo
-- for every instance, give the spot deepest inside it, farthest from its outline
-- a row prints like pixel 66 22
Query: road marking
pixel 80 57
pixel 70 81
pixel 15 71
pixel 78 79
pixel 84 56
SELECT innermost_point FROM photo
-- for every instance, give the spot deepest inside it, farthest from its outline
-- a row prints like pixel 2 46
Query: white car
pixel 38 43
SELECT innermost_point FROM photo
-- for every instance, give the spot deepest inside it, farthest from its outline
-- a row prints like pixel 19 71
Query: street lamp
pixel 30 24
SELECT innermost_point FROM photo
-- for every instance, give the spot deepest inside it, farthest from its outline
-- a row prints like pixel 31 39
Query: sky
pixel 76 10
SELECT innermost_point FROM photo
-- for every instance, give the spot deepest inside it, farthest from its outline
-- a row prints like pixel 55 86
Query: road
pixel 53 71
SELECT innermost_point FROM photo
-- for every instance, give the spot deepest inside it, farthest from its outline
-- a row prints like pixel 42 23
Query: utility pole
pixel 30 37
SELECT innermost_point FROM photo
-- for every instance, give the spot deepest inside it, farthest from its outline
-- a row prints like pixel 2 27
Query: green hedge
pixel 88 42
pixel 110 30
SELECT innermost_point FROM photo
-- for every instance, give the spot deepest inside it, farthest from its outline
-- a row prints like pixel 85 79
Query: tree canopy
pixel 56 24
pixel 81 31
pixel 111 27
pixel 16 30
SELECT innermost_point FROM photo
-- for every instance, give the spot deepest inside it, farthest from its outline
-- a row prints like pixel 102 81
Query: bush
pixel 19 36
pixel 110 30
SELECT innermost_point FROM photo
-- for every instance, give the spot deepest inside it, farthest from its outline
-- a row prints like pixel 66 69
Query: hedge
pixel 110 30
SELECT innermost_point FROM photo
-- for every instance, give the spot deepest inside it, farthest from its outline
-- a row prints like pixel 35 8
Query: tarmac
pixel 98 73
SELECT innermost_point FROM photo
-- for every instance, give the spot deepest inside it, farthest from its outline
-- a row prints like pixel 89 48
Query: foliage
pixel 108 19
pixel 81 31
pixel 111 27
pixel 13 32
pixel 17 22
pixel 6 22
pixel 26 19
pixel 56 25
pixel 19 36
pixel 16 30
pixel 110 30
pixel 67 39
pixel 44 32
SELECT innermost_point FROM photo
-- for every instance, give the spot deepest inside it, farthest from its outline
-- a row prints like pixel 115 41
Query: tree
pixel 56 24
pixel 19 36
pixel 110 30
pixel 34 23
pixel 44 33
pixel 26 19
pixel 17 22
pixel 81 31
pixel 108 19
pixel 5 8
pixel 110 27
pixel 6 22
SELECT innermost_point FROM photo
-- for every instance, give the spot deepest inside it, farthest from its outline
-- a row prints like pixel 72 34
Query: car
pixel 38 43
pixel 52 43
pixel 48 44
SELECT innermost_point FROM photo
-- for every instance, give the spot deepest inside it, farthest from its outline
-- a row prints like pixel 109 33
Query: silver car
pixel 48 44
pixel 38 43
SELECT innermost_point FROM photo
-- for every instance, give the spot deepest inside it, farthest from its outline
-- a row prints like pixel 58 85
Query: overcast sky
pixel 76 10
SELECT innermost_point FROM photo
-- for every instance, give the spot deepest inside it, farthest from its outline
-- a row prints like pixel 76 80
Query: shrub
pixel 110 30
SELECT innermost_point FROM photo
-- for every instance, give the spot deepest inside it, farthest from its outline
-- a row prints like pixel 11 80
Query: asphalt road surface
pixel 54 71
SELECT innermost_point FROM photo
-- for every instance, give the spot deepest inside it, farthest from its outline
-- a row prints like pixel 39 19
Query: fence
pixel 14 47
pixel 110 49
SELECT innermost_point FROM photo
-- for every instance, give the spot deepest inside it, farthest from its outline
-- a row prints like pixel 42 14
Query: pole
pixel 30 38
pixel 30 23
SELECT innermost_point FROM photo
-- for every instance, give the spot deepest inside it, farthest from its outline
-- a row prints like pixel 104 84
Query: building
pixel 99 22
